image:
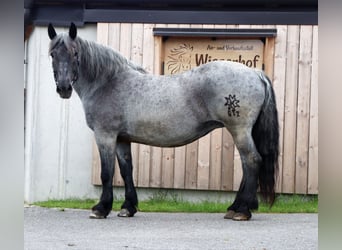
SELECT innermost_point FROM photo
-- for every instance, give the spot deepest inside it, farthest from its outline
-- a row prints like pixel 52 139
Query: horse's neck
pixel 94 69
pixel 99 61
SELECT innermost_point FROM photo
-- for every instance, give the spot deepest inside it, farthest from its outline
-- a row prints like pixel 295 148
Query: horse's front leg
pixel 124 155
pixel 106 145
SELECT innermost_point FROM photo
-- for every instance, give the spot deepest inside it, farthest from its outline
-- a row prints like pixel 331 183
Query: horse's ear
pixel 51 31
pixel 72 31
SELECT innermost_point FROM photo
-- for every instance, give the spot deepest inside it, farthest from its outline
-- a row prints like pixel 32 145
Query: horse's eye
pixel 76 54
pixel 52 55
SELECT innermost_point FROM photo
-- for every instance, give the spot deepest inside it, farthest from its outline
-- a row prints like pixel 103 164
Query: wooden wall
pixel 212 162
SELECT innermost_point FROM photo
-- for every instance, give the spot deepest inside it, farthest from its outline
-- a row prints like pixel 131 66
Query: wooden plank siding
pixel 212 162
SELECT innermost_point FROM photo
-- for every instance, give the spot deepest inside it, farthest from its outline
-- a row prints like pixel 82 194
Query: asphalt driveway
pixel 71 229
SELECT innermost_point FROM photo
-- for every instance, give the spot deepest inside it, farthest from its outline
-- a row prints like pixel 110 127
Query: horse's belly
pixel 162 136
pixel 171 135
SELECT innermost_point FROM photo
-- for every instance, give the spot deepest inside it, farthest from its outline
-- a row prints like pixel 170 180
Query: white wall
pixel 58 143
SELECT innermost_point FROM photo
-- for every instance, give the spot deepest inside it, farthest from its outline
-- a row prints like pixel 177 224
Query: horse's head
pixel 65 61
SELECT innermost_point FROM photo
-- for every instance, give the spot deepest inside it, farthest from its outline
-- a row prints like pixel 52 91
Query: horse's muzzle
pixel 64 91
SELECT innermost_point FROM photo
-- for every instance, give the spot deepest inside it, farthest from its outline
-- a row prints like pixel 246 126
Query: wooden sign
pixel 182 54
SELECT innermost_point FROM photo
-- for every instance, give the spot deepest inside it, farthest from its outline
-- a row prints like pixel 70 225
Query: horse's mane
pixel 96 60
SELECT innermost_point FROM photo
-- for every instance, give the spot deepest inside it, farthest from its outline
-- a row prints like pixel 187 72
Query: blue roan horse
pixel 125 104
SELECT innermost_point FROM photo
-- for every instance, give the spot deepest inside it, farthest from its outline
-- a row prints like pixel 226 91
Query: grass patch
pixel 283 204
pixel 292 204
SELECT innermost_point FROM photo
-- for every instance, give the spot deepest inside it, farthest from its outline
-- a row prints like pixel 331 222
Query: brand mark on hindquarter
pixel 233 104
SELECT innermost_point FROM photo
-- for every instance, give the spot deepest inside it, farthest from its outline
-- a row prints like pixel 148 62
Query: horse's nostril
pixel 65 87
pixel 64 91
pixel 61 88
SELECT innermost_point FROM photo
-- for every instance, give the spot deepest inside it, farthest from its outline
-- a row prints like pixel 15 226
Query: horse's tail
pixel 266 138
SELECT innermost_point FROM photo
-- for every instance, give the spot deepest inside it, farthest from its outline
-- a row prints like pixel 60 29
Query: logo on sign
pixel 180 58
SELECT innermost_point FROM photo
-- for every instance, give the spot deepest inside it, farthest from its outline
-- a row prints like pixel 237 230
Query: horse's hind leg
pixel 123 152
pixel 246 198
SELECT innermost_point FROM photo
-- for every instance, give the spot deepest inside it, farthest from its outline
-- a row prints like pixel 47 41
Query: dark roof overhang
pixel 62 12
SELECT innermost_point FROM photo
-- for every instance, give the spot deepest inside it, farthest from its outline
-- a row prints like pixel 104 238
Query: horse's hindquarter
pixel 232 92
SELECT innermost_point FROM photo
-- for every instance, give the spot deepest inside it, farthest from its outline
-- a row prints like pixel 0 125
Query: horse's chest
pixel 102 116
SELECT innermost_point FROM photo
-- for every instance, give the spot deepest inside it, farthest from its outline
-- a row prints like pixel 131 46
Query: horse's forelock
pixel 62 39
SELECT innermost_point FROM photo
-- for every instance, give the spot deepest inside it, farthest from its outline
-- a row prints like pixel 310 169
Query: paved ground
pixel 71 229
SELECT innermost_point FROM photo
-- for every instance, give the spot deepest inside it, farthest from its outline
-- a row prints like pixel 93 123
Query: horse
pixel 124 104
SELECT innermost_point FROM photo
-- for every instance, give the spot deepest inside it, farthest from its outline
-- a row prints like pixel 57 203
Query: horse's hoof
pixel 241 217
pixel 97 215
pixel 230 214
pixel 125 213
